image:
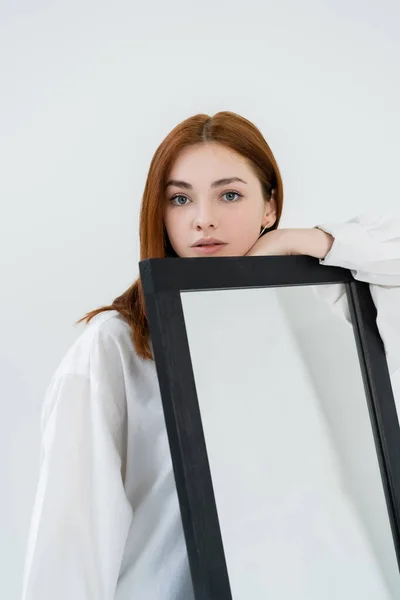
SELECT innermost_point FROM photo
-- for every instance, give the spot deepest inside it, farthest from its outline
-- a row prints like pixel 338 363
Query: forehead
pixel 210 161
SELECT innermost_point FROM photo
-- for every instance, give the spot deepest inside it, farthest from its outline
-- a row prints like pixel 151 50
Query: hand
pixel 281 242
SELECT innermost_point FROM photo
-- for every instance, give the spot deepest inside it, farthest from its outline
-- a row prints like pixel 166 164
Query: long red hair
pixel 227 128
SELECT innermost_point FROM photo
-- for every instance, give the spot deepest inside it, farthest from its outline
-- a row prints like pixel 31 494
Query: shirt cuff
pixel 349 245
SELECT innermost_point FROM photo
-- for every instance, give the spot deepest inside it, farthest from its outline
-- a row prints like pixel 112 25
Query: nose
pixel 205 218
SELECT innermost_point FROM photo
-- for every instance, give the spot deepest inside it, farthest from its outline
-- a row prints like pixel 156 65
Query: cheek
pixel 168 221
pixel 245 231
pixel 173 221
pixel 246 222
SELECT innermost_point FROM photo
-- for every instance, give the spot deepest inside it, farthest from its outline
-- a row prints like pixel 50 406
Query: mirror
pixel 291 452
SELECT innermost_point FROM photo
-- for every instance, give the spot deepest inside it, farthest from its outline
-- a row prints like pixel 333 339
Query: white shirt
pixel 106 523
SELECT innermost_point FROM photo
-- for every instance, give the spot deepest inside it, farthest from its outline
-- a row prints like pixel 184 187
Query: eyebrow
pixel 187 186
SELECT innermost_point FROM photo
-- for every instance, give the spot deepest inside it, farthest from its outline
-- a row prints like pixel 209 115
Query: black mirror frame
pixel 163 280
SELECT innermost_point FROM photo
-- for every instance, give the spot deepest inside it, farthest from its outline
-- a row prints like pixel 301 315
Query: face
pixel 212 192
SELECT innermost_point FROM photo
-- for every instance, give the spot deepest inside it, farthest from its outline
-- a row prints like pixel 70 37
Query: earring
pixel 266 227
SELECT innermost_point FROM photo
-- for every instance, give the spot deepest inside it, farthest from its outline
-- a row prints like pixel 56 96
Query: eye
pixel 235 194
pixel 172 200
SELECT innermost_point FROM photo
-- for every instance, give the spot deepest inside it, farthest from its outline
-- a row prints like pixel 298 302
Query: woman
pixel 106 522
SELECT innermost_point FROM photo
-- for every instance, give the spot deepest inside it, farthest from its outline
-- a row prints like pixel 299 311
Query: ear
pixel 269 216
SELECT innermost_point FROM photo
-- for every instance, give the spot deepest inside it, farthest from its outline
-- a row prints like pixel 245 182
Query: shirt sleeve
pixel 81 514
pixel 369 246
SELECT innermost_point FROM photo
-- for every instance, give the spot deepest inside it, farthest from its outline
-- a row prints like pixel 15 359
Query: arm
pixel 368 246
pixel 81 514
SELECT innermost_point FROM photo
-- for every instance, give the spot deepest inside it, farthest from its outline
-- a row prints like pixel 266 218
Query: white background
pixel 89 90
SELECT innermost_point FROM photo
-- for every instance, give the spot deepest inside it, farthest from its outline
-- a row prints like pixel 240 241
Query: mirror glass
pixel 292 456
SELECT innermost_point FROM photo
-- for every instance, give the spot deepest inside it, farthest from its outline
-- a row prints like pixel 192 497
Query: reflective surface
pixel 295 474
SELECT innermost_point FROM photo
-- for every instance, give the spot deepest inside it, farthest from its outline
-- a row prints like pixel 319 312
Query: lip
pixel 208 245
pixel 208 249
pixel 207 241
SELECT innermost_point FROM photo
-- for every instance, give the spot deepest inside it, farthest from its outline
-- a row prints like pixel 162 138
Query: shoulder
pixel 104 344
pixel 94 371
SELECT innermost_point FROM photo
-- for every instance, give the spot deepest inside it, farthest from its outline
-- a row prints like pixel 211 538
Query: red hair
pixel 227 128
